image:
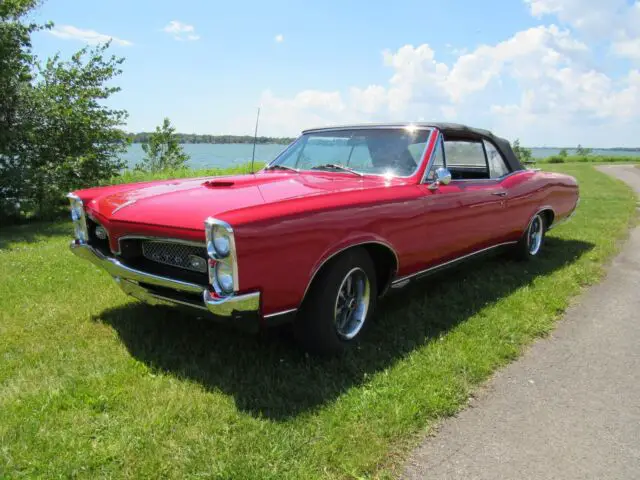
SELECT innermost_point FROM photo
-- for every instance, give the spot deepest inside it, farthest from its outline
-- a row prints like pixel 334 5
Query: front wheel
pixel 339 304
pixel 532 241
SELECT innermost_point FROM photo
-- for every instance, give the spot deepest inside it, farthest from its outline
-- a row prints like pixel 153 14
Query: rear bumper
pixel 239 310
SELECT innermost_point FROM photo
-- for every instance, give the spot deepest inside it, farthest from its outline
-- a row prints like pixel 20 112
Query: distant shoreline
pixel 192 138
pixel 602 149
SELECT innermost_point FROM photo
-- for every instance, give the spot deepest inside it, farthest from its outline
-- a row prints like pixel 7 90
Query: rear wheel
pixel 532 241
pixel 339 304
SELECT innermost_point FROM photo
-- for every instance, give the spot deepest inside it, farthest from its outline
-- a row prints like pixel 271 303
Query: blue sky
pixel 551 72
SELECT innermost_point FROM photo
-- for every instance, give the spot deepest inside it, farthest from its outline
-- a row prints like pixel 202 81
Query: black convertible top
pixel 450 131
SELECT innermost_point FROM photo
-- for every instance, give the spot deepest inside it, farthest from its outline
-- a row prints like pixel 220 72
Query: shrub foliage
pixel 56 134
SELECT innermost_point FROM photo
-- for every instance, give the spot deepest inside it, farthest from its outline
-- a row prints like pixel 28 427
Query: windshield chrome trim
pixel 401 126
pixel 361 127
pixel 432 157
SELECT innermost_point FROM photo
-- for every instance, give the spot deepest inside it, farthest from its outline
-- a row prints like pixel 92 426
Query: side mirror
pixel 443 177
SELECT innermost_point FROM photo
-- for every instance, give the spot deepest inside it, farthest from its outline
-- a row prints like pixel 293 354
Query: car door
pixel 461 216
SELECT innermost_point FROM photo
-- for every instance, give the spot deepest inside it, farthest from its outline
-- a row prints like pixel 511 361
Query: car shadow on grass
pixel 269 376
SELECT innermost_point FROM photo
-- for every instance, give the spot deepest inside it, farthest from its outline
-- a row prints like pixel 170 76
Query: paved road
pixel 570 408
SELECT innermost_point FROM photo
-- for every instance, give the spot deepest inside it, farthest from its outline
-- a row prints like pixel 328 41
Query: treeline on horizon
pixel 143 137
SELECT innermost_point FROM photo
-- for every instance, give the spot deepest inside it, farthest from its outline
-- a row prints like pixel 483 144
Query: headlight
pixel 221 242
pixel 224 277
pixel 221 249
pixel 79 219
pixel 80 233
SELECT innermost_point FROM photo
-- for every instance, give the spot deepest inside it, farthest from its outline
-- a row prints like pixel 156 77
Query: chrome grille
pixel 178 255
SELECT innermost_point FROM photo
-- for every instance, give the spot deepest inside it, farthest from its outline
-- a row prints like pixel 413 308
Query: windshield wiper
pixel 281 167
pixel 336 166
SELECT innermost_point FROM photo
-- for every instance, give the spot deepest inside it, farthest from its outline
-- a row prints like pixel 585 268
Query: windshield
pixel 384 151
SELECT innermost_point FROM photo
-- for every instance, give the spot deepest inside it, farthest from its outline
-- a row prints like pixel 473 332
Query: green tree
pixel 162 150
pixel 582 151
pixel 73 139
pixel 16 62
pixel 524 155
pixel 55 133
pixel 563 153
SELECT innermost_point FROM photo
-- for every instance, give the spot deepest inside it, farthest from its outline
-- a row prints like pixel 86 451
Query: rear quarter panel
pixel 534 190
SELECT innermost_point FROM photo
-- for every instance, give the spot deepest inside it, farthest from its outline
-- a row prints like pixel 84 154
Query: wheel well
pixel 384 261
pixel 548 217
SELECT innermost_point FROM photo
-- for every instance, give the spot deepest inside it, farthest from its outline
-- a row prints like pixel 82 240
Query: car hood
pixel 187 203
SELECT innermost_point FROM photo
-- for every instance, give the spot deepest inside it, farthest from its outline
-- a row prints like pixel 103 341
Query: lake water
pixel 207 155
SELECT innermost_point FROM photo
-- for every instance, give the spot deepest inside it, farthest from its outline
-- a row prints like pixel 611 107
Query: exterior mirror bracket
pixel 443 177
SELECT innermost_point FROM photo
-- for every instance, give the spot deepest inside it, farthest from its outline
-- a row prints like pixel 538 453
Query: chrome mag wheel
pixel 535 234
pixel 352 303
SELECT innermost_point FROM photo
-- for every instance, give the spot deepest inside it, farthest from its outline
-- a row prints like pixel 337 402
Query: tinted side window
pixel 466 159
pixel 497 165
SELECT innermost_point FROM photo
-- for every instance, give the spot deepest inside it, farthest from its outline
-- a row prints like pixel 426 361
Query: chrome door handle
pixel 499 194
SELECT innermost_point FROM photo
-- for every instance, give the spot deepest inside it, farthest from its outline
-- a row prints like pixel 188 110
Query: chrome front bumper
pixel 141 285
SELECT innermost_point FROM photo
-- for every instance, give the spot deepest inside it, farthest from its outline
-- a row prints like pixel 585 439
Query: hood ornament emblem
pixel 125 204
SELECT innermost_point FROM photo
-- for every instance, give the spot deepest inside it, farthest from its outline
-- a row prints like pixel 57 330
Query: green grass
pixel 589 159
pixel 94 385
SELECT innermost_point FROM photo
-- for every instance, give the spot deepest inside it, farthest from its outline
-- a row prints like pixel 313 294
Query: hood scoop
pixel 218 183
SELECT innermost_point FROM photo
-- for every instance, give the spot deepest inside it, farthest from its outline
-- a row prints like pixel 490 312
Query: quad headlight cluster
pixel 223 269
pixel 79 219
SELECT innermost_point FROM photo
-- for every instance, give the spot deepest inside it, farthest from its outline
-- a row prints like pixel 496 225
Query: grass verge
pixel 589 159
pixel 129 176
pixel 95 385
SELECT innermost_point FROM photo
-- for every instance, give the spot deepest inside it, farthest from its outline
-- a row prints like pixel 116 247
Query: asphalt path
pixel 570 407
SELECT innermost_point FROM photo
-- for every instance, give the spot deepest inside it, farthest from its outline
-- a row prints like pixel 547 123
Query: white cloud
pixel 617 21
pixel 595 17
pixel 629 48
pixel 181 31
pixel 91 37
pixel 279 38
pixel 540 85
pixel 370 99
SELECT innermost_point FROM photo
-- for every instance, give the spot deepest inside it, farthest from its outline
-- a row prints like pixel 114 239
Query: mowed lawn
pixel 93 384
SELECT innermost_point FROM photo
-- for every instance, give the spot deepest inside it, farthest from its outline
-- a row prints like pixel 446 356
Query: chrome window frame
pixel 497 179
pixel 364 127
pixel 504 162
pixel 427 170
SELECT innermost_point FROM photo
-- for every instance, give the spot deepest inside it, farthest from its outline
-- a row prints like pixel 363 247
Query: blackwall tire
pixel 339 304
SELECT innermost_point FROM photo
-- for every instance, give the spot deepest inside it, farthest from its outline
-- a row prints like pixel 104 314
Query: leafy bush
pixel 55 133
pixel 162 150
pixel 523 155
pixel 556 159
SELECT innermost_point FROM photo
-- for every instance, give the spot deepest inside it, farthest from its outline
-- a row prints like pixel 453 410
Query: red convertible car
pixel 341 216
